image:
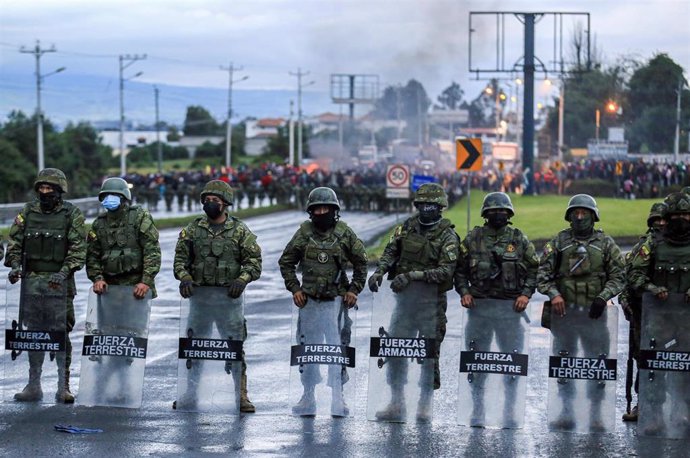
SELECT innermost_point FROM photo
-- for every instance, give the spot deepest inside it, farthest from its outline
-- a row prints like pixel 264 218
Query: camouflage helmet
pixel 496 201
pixel 116 186
pixel 677 202
pixel 53 177
pixel 322 196
pixel 431 193
pixel 657 211
pixel 217 188
pixel 582 201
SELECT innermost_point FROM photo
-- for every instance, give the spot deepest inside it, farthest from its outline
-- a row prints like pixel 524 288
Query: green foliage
pixel 406 102
pixel 451 97
pixel 595 187
pixel 199 122
pixel 279 146
pixel 16 175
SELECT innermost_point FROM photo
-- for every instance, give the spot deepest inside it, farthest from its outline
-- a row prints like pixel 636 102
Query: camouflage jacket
pixel 580 276
pixel 75 247
pixel 215 258
pixel 122 248
pixel 500 264
pixel 331 250
pixel 658 262
pixel 433 251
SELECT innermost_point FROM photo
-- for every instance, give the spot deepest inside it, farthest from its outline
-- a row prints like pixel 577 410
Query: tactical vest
pixel 215 256
pixel 417 252
pixel 322 263
pixel 499 269
pixel 45 238
pixel 119 238
pixel 581 273
pixel 671 266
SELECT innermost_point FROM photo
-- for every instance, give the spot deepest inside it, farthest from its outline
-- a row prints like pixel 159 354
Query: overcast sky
pixel 186 41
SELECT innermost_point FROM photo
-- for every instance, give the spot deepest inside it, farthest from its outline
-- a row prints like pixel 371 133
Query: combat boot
pixel 246 405
pixel 338 406
pixel 32 392
pixel 596 425
pixel 63 394
pixel 632 415
pixel 396 410
pixel 565 420
pixel 306 407
pixel 477 418
pixel 424 406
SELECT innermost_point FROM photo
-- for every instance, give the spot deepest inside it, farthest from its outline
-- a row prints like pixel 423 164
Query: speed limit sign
pixel 398 181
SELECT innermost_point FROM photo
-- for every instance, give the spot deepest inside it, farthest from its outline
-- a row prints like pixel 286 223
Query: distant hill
pixel 68 97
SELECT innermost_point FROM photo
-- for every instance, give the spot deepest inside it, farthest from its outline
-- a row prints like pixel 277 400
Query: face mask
pixel 48 200
pixel 582 226
pixel 324 221
pixel 678 229
pixel 111 202
pixel 213 209
pixel 497 220
pixel 429 214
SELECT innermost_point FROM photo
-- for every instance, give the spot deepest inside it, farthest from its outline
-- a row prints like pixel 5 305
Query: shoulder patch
pixel 92 236
pixel 644 252
pixel 19 220
pixel 548 249
pixel 451 251
pixel 183 233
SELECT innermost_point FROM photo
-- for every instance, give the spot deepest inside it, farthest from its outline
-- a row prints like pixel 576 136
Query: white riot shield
pixel 493 365
pixel 322 360
pixel 113 358
pixel 582 371
pixel 403 353
pixel 665 367
pixel 210 352
pixel 35 336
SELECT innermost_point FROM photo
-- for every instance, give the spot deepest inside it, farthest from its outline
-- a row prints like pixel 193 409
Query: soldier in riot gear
pixel 581 266
pixel 498 262
pixel 47 245
pixel 423 248
pixel 631 303
pixel 218 250
pixel 659 266
pixel 122 245
pixel 321 247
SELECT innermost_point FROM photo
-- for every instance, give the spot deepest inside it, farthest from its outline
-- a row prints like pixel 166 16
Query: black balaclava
pixel 49 200
pixel 213 209
pixel 582 227
pixel 324 221
pixel 429 213
pixel 677 229
pixel 497 219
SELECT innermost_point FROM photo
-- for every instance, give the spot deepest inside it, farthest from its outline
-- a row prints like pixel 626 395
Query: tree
pixel 199 122
pixel 650 111
pixel 16 175
pixel 451 97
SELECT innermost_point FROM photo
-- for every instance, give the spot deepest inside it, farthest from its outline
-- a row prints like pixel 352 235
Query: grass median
pixel 541 217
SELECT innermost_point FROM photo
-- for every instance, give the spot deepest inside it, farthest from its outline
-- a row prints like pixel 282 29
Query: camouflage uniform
pixel 433 251
pixel 659 266
pixel 583 269
pixel 498 262
pixel 322 256
pixel 53 243
pixel 631 301
pixel 210 255
pixel 122 245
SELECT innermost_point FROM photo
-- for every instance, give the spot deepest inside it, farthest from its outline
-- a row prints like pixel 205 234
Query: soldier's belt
pixel 321 298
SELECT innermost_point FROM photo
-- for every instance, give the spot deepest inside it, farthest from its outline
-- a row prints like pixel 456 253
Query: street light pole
pixel 158 134
pixel 561 114
pixel 228 124
pixel 38 52
pixel 676 141
pixel 130 59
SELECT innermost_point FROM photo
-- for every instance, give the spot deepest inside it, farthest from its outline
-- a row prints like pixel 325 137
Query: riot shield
pixel 493 365
pixel 114 353
pixel 210 353
pixel 323 333
pixel 582 371
pixel 665 367
pixel 35 331
pixel 403 353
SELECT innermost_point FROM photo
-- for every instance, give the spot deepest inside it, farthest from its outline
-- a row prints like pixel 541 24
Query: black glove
pixel 375 281
pixel 57 279
pixel 186 288
pixel 14 275
pixel 236 287
pixel 597 308
pixel 400 282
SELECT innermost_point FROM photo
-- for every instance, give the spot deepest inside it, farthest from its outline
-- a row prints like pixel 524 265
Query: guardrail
pixel 88 205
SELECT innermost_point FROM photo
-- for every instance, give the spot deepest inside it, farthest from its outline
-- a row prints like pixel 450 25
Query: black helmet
pixel 582 201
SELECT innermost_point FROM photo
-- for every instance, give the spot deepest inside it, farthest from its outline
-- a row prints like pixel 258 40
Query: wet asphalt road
pixel 155 429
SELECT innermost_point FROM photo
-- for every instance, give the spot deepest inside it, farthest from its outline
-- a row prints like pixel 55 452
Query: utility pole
pixel 158 134
pixel 676 141
pixel 37 51
pixel 228 124
pixel 299 76
pixel 125 61
pixel 561 114
pixel 291 128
